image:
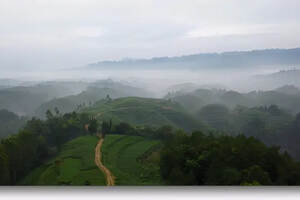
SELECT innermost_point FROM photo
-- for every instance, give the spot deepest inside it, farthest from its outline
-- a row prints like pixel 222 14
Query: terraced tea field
pixel 121 154
pixel 73 166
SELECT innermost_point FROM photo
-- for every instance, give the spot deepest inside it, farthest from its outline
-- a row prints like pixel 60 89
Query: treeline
pixel 210 158
pixel 37 141
pixel 214 157
pixel 249 121
pixel 270 124
pixel 10 123
pixel 123 128
pixel 201 159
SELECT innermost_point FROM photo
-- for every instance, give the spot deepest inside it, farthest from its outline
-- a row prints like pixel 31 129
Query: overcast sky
pixel 67 33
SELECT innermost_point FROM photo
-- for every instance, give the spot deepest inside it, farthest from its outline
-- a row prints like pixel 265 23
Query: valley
pixel 183 134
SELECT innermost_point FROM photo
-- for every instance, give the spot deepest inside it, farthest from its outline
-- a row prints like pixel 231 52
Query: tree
pixel 254 127
pixel 164 132
pixel 225 160
pixel 215 115
pixel 56 111
pixel 24 151
pixel 124 129
pixel 12 151
pixel 255 174
pixel 4 168
pixel 93 126
pixel 108 99
pixel 106 127
pixel 49 114
pixel 274 110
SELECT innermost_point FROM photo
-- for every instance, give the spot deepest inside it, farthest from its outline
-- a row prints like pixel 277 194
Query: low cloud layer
pixel 53 34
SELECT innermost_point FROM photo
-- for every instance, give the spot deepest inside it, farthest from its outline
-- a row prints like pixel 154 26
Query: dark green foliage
pixel 106 127
pixel 4 167
pixel 216 116
pixel 93 126
pixel 289 138
pixel 10 123
pixel 162 133
pixel 270 124
pixel 22 152
pixel 125 129
pixel 255 174
pixel 225 160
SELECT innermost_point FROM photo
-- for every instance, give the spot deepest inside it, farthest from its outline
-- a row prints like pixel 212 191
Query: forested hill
pixel 287 97
pixel 23 100
pixel 267 57
pixel 96 91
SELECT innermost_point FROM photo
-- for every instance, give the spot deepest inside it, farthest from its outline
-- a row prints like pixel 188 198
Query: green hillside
pixel 145 111
pixel 121 155
pixel 73 166
pixel 73 102
pixel 88 97
pixel 128 157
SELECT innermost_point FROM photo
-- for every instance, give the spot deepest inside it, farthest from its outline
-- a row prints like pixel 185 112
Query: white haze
pixel 156 81
pixel 43 40
pixel 55 34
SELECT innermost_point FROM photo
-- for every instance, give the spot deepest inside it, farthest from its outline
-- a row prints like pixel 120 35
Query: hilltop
pixel 144 111
pixel 277 79
pixel 95 92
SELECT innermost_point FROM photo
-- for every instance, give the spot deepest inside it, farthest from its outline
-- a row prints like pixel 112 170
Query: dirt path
pixel 109 177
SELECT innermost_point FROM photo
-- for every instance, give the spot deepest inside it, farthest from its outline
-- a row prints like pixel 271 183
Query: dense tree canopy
pixel 22 152
pixel 202 159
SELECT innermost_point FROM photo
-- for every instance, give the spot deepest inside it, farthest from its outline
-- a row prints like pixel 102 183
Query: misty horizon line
pixel 193 54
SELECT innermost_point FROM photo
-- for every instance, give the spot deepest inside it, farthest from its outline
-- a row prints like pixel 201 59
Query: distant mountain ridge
pixel 266 57
pixel 277 79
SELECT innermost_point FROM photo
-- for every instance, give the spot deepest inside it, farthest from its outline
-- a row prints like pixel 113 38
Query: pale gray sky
pixel 67 33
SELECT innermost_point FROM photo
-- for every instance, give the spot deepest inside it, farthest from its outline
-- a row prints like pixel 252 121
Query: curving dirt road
pixel 109 177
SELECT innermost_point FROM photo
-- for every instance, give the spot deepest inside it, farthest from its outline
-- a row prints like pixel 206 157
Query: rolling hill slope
pixel 71 103
pixel 75 164
pixel 145 111
pixel 96 91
